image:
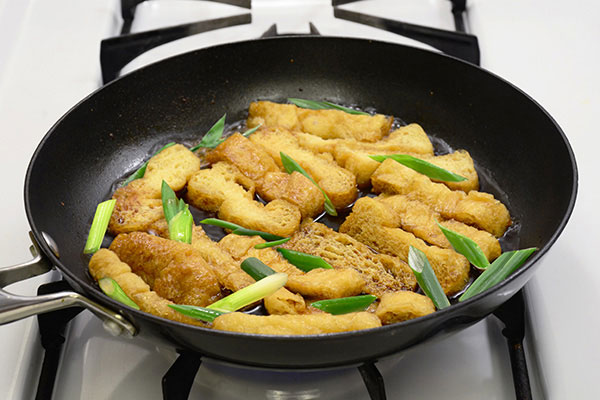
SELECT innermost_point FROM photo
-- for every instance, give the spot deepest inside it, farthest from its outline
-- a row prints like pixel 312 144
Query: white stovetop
pixel 49 60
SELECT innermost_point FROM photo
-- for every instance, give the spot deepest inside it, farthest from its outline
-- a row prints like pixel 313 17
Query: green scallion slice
pixel 467 247
pixel 499 270
pixel 250 294
pixel 141 171
pixel 239 230
pixel 256 268
pixel 426 278
pixel 99 225
pixel 251 131
pixel 323 105
pixel 271 244
pixel 345 305
pixel 171 205
pixel 303 261
pixel 201 313
pixel 426 168
pixel 290 166
pixel 180 226
pixel 112 289
pixel 212 138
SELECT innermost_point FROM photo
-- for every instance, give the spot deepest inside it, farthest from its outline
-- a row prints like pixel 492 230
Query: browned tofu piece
pixel 139 203
pixel 285 302
pixel 306 324
pixel 105 263
pixel 461 163
pixel 381 273
pixel 271 183
pixel 174 270
pixel 327 124
pixel 420 220
pixel 402 306
pixel 323 283
pixel 338 183
pixel 475 208
pixel 374 224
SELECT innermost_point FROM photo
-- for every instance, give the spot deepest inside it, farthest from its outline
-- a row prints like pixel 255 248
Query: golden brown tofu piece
pixel 306 324
pixel 139 203
pixel 420 220
pixel 323 283
pixel 374 224
pixel 285 302
pixel 381 273
pixel 105 263
pixel 402 306
pixel 327 124
pixel 461 163
pixel 271 183
pixel 475 208
pixel 339 184
pixel 174 270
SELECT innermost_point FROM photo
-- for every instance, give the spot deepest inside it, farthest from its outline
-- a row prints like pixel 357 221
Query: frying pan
pixel 519 149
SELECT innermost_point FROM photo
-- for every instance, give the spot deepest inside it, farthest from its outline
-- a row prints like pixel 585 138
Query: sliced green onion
pixel 112 289
pixel 239 230
pixel 250 294
pixel 271 244
pixel 323 105
pixel 99 225
pixel 180 226
pixel 290 166
pixel 212 138
pixel 251 131
pixel 467 247
pixel 426 278
pixel 345 305
pixel 499 270
pixel 141 171
pixel 256 268
pixel 201 313
pixel 303 261
pixel 423 167
pixel 171 206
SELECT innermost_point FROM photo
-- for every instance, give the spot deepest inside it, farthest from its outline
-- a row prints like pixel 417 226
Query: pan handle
pixel 15 307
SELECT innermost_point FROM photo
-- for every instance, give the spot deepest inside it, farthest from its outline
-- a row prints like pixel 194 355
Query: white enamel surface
pixel 49 59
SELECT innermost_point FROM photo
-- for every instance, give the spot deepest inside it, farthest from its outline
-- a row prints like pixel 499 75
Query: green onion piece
pixel 323 105
pixel 290 166
pixel 250 294
pixel 256 268
pixel 467 247
pixel 423 167
pixel 112 289
pixel 141 171
pixel 99 224
pixel 180 226
pixel 201 313
pixel 239 230
pixel 499 270
pixel 212 138
pixel 171 206
pixel 345 305
pixel 426 278
pixel 303 261
pixel 271 244
pixel 251 131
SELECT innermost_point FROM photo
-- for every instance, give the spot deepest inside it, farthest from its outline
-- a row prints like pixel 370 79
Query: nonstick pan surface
pixel 516 145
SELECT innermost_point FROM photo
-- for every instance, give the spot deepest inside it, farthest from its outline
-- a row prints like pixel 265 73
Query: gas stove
pixel 52 55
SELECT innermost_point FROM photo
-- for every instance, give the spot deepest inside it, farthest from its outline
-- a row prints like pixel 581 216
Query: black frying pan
pixel 509 135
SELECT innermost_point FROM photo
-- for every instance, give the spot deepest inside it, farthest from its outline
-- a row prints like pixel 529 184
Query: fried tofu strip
pixel 381 273
pixel 307 324
pixel 105 263
pixel 174 270
pixel 139 203
pixel 420 220
pixel 327 124
pixel 285 302
pixel 475 208
pixel 402 306
pixel 271 183
pixel 339 184
pixel 374 224
pixel 225 189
